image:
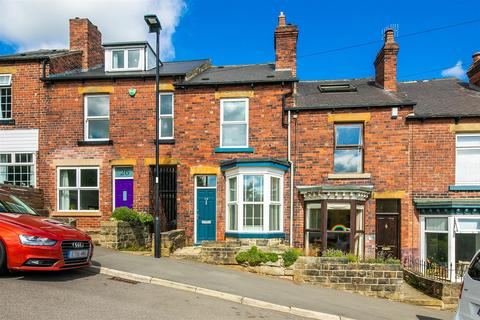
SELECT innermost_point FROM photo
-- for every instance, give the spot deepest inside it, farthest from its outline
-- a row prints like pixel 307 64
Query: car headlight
pixel 36 241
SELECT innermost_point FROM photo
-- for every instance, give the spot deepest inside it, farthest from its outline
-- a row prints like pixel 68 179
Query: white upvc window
pixel 5 96
pixel 234 123
pixel 17 169
pixel 467 167
pixel 254 200
pixel 78 188
pixel 166 116
pixel 126 59
pixel 97 117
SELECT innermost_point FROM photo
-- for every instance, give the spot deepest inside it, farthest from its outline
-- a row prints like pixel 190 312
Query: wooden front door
pixel 387 235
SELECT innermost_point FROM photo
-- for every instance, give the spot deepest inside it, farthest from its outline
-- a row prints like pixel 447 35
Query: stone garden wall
pixel 381 280
pixel 448 292
pixel 120 235
pixel 171 241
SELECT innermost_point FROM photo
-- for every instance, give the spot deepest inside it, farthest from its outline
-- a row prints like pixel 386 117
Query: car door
pixel 469 307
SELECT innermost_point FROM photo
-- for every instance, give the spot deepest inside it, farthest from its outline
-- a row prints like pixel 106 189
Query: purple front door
pixel 123 193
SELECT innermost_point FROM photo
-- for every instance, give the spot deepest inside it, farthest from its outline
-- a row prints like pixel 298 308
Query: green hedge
pixel 290 256
pixel 132 216
pixel 255 257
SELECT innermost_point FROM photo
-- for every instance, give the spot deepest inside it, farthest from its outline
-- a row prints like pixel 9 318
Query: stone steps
pixel 190 253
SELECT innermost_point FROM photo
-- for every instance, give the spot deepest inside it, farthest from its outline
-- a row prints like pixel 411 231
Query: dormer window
pixel 126 59
pixel 129 56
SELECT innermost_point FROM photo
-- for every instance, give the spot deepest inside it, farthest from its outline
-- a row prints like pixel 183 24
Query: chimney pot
pixel 476 57
pixel 389 36
pixel 281 19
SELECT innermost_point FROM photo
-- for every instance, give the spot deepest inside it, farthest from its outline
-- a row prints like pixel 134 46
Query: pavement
pixel 81 294
pixel 276 291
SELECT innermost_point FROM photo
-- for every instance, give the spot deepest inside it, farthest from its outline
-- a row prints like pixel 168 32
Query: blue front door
pixel 206 214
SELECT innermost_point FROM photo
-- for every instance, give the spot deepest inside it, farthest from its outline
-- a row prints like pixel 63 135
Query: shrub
pixel 255 257
pixel 290 256
pixel 131 216
pixel 333 253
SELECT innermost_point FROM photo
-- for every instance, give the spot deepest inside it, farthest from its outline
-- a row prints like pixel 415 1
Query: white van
pixel 469 303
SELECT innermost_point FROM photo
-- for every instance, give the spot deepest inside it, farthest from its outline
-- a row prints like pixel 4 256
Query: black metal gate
pixel 168 196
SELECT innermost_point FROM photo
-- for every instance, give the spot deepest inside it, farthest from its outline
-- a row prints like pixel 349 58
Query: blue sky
pixel 241 32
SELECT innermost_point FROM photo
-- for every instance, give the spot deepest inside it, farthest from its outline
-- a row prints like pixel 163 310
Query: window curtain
pixel 64 194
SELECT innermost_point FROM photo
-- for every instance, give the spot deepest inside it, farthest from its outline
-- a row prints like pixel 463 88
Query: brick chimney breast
pixel 386 63
pixel 85 37
pixel 286 36
pixel 474 70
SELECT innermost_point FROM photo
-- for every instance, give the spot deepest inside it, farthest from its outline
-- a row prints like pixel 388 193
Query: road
pixel 83 295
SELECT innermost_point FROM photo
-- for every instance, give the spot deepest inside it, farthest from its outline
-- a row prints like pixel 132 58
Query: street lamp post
pixel 155 27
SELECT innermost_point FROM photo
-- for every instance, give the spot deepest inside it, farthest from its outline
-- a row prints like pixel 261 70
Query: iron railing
pixel 436 271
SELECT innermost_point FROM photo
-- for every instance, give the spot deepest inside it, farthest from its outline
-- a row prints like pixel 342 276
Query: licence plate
pixel 76 254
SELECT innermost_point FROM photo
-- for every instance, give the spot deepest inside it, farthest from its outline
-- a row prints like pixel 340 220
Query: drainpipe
pixel 292 175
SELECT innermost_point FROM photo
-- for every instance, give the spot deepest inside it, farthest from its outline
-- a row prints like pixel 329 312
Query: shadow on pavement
pixel 426 318
pixel 52 276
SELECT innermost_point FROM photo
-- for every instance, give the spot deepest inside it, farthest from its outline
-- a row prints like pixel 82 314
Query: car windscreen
pixel 11 204
pixel 474 270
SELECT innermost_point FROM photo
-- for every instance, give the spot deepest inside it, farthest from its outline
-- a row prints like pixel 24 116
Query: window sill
pixel 82 143
pixel 233 150
pixel 164 141
pixel 334 176
pixel 464 188
pixel 260 235
pixel 7 122
pixel 75 214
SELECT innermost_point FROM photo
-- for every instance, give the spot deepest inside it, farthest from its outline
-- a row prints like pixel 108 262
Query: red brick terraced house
pixel 378 167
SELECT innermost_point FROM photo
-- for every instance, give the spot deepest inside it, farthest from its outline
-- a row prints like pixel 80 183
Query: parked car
pixel 32 242
pixel 469 303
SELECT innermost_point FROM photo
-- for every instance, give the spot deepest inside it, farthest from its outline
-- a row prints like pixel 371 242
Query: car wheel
pixel 3 259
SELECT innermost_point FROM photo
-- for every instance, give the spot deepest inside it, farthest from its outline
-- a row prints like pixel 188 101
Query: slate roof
pixel 172 68
pixel 442 98
pixel 252 73
pixel 365 94
pixel 33 55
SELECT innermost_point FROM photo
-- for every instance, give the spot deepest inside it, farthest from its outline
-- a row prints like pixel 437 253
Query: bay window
pixel 234 123
pixel 467 166
pixel 78 189
pixel 436 240
pixel 17 169
pixel 254 201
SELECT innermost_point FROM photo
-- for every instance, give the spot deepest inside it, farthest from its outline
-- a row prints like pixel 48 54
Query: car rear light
pixel 461 290
pixel 40 262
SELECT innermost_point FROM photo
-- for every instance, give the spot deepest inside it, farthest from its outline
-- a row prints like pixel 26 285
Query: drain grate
pixel 124 280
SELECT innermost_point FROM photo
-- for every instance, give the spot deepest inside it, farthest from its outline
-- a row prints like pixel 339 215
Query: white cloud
pixel 35 24
pixel 456 71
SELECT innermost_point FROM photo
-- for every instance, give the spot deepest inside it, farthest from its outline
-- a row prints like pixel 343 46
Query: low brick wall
pixel 171 241
pixel 448 292
pixel 120 235
pixel 381 280
pixel 31 196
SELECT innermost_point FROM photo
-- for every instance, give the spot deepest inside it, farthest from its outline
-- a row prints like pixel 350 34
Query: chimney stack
pixel 286 46
pixel 474 70
pixel 85 37
pixel 386 63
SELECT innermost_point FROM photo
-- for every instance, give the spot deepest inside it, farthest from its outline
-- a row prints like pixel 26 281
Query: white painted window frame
pixel 77 187
pixel 167 116
pixel 239 173
pixel 457 164
pixel 4 86
pixel 246 121
pixel 141 60
pixel 13 163
pixel 88 118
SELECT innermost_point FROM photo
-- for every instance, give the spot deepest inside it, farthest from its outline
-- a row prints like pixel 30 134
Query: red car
pixel 31 242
